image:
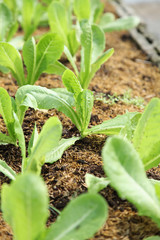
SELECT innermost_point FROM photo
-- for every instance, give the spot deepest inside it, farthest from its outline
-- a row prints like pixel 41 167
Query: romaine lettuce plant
pixel 93 11
pixel 39 146
pixel 8 25
pixel 37 58
pixel 28 13
pixel 127 176
pixel 13 112
pixel 60 21
pixel 27 212
pixel 92 42
pixel 146 134
pixel 42 98
pixel 146 137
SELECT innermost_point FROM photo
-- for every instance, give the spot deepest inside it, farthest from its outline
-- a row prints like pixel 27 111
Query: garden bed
pixel 128 69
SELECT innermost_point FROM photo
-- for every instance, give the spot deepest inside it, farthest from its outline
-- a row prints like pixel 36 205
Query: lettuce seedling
pixel 127 176
pixel 60 21
pixel 27 212
pixel 93 11
pixel 92 41
pixel 146 138
pixel 8 26
pixel 9 108
pixel 42 98
pixel 13 112
pixel 31 12
pixel 39 146
pixel 37 58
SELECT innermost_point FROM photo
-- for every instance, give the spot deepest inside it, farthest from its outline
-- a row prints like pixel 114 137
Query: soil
pixel 129 68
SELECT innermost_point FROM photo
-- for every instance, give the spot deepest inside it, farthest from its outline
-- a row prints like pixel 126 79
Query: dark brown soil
pixel 129 68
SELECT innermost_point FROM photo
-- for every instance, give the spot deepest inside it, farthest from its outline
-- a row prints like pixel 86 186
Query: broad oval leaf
pixel 58 20
pixel 10 58
pixel 97 8
pixel 80 220
pixel 48 50
pixel 47 99
pixel 71 82
pixel 125 23
pixel 146 137
pixel 86 51
pixel 98 44
pixel 125 170
pixel 82 9
pixel 29 56
pixel 58 151
pixel 25 206
pixel 48 139
pixel 113 126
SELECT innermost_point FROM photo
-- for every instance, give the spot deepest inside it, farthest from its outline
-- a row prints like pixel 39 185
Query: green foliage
pixel 127 176
pixel 60 21
pixel 27 212
pixel 30 12
pixel 25 206
pixel 80 11
pixel 6 111
pixel 92 41
pixel 8 26
pixel 93 11
pixel 124 23
pixel 36 58
pixel 42 98
pixel 6 170
pixel 125 98
pixel 80 220
pixel 43 144
pixel 58 151
pixel 146 137
pixel 95 184
pixel 47 142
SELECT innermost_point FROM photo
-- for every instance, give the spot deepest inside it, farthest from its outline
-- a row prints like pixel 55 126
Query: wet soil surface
pixel 129 68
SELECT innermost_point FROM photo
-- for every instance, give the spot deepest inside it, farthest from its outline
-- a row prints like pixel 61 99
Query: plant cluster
pixel 126 156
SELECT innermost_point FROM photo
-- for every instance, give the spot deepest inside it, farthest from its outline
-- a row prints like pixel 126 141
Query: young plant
pixel 13 112
pixel 28 13
pixel 42 98
pixel 146 134
pixel 37 58
pixel 92 41
pixel 127 176
pixel 93 11
pixel 27 212
pixel 60 21
pixel 8 26
pixel 10 107
pixel 39 146
pixel 146 138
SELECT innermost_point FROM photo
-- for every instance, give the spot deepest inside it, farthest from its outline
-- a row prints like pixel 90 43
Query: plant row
pixel 126 157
